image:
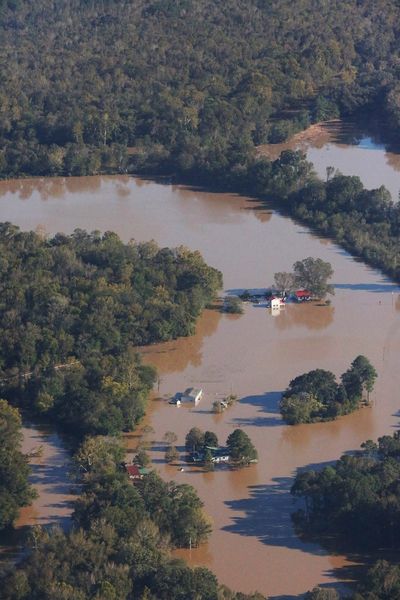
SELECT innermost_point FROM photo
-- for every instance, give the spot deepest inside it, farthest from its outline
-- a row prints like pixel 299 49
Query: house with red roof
pixel 136 473
pixel 302 295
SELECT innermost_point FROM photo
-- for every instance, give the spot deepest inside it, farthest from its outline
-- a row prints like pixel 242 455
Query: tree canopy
pixel 15 490
pixel 187 83
pixel 313 274
pixel 240 447
pixel 358 498
pixel 316 396
pixel 119 546
pixel 74 307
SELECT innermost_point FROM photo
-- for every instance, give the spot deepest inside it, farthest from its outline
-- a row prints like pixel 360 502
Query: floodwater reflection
pixel 254 355
pixel 311 316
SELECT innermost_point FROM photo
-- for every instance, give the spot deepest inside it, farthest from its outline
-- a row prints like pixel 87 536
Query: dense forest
pixel 186 83
pixel 72 310
pixel 189 88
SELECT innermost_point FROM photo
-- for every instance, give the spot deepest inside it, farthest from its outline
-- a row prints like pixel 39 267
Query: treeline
pixel 365 222
pixel 182 80
pixel 358 498
pixel 316 396
pixel 72 310
pixel 15 490
pixel 357 502
pixel 119 546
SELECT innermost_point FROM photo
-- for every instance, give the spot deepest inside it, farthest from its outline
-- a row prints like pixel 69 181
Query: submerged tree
pixel 313 274
pixel 194 439
pixel 240 447
pixel 359 378
pixel 285 282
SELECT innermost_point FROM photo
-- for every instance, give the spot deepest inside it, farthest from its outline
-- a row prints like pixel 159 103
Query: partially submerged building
pixel 192 395
pixel 302 295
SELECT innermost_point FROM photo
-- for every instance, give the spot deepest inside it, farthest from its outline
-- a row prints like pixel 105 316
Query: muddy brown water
pixel 50 476
pixel 253 545
pixel 348 147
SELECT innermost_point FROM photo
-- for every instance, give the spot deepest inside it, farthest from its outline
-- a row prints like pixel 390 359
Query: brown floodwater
pixel 253 545
pixel 50 468
pixel 349 148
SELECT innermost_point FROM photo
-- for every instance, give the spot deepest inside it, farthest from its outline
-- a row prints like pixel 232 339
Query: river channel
pixel 253 545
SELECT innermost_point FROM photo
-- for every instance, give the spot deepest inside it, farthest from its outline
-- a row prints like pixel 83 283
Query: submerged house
pixel 218 455
pixel 192 395
pixel 276 303
pixel 302 296
pixel 176 401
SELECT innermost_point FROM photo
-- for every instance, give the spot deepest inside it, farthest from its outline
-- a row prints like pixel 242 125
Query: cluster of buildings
pixel 278 300
pixel 218 455
pixel 274 299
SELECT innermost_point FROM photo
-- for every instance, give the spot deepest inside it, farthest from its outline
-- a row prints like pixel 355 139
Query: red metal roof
pixel 133 470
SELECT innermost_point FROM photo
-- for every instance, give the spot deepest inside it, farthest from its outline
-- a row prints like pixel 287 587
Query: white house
pixel 277 303
pixel 192 395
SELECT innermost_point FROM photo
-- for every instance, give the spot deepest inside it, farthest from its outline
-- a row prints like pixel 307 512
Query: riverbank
pixel 316 136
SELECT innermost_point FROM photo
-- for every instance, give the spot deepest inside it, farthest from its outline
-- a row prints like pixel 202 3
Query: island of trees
pixel 316 396
pixel 358 498
pixel 202 447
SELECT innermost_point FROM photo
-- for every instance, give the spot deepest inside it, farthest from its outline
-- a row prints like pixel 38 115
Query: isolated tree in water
pixel 313 274
pixel 359 377
pixel 194 439
pixel 240 447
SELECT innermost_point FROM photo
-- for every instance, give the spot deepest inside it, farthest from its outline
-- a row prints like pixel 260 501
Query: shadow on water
pixel 268 403
pixel 266 514
pixel 258 422
pixel 368 287
pixel 49 474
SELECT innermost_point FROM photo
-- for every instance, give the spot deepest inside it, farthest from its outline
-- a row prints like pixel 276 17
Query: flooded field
pixel 255 355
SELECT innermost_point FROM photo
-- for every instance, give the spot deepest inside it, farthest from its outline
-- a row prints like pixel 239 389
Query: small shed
pixel 192 395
